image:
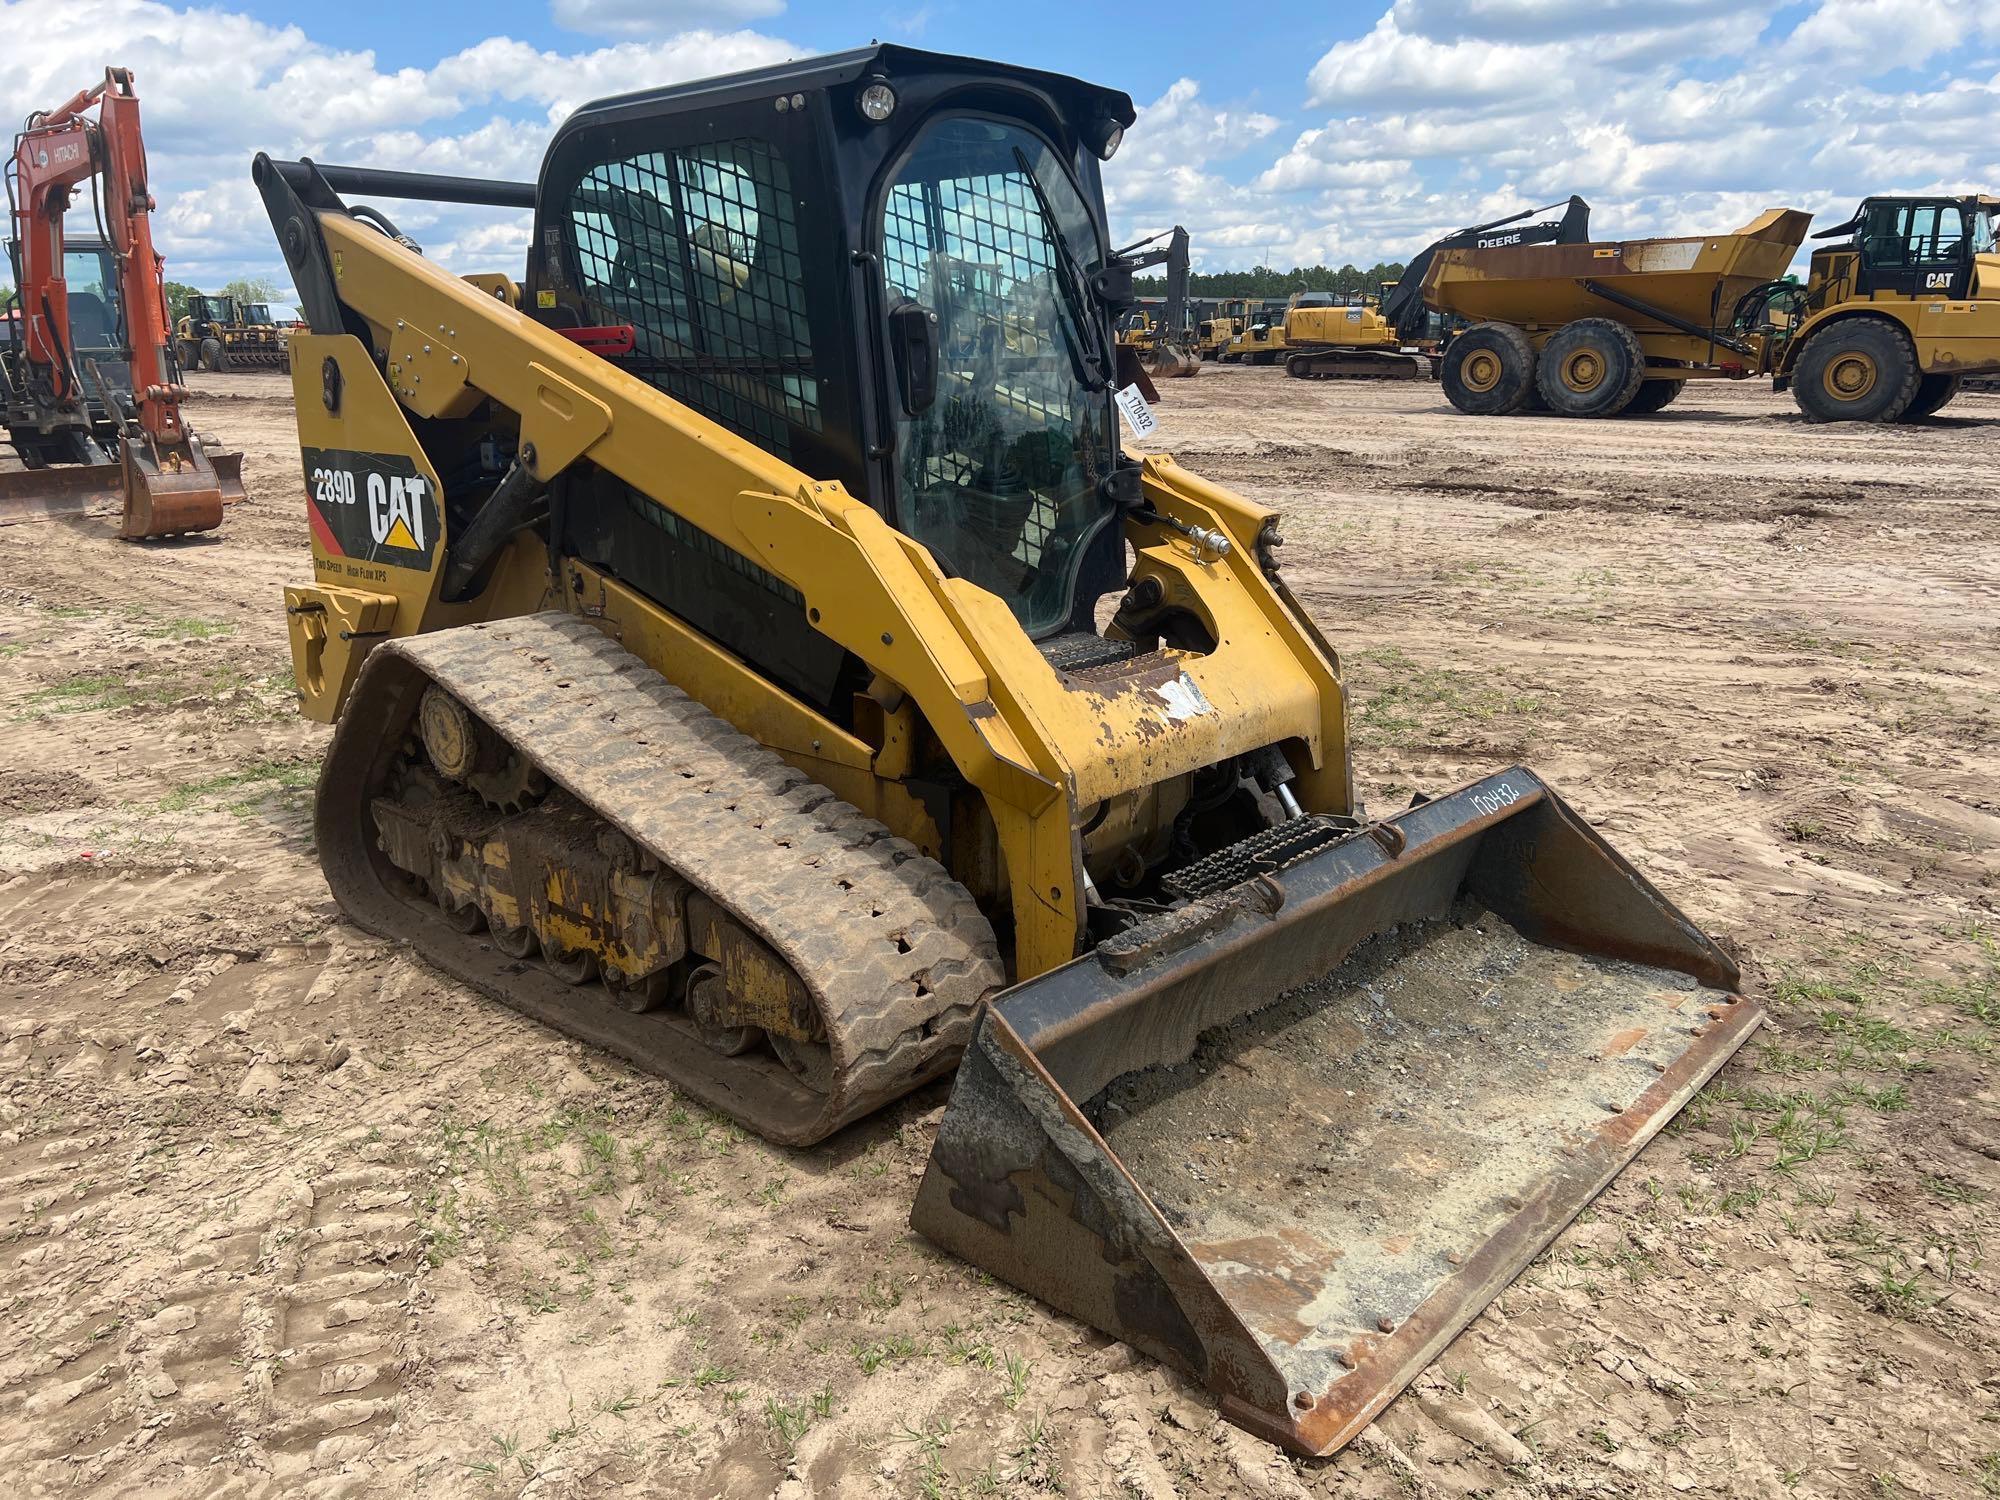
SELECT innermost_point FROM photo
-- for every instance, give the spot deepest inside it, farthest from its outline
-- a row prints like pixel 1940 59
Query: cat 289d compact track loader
pixel 710 623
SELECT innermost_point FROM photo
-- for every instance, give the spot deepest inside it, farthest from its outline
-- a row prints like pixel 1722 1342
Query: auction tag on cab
pixel 1138 415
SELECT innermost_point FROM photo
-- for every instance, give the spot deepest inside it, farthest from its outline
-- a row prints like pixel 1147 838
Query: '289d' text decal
pixel 374 507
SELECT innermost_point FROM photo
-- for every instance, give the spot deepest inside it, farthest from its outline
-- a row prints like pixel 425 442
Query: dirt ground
pixel 284 1212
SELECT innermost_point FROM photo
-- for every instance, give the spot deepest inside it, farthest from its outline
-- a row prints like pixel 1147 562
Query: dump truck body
pixel 809 774
pixel 1884 328
pixel 1696 279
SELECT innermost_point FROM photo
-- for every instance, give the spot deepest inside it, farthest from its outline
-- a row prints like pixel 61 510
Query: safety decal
pixel 372 507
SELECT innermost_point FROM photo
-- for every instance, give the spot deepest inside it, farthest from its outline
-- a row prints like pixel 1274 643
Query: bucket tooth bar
pixel 1467 1134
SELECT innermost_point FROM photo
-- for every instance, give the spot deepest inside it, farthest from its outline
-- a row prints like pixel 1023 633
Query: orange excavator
pixel 90 394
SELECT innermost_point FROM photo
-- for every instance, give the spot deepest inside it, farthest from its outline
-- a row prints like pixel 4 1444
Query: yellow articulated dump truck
pixel 1886 325
pixel 708 613
pixel 1396 336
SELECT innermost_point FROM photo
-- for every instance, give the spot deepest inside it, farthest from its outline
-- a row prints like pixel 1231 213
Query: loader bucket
pixel 1166 361
pixel 1294 1136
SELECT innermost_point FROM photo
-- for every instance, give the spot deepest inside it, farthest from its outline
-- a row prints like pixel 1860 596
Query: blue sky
pixel 1287 133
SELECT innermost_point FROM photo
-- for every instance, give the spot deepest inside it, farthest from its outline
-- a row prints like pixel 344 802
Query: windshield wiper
pixel 1088 365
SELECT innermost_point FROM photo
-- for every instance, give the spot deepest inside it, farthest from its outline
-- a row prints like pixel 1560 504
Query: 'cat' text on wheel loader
pixel 709 619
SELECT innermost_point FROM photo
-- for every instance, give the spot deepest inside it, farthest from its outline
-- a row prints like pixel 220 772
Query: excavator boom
pixel 122 425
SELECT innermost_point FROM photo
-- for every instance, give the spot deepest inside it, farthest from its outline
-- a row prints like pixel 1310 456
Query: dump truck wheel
pixel 1489 371
pixel 211 355
pixel 1654 395
pixel 1591 368
pixel 1934 393
pixel 1861 370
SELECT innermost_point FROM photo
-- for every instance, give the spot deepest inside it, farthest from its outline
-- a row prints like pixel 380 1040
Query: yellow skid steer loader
pixel 710 623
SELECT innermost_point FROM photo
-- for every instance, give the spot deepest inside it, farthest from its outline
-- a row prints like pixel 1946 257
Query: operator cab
pixel 1910 247
pixel 888 267
pixel 96 332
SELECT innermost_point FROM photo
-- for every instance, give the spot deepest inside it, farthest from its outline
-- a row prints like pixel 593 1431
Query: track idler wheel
pixel 467 751
pixel 810 1062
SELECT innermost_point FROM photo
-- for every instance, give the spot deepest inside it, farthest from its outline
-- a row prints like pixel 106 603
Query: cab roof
pixel 841 69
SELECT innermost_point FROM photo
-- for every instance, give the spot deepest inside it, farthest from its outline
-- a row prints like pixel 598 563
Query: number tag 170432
pixel 1138 415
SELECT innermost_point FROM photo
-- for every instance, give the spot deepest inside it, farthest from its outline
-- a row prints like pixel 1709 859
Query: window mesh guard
pixel 697 249
pixel 977 251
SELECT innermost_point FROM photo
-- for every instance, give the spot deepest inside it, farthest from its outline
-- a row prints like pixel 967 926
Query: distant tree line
pixel 1268 281
pixel 247 289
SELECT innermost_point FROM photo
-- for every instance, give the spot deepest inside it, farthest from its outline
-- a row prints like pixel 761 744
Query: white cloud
pixel 216 87
pixel 1161 175
pixel 657 17
pixel 1884 34
pixel 1670 115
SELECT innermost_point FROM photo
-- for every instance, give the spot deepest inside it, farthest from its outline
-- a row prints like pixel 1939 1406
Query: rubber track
pixel 894 950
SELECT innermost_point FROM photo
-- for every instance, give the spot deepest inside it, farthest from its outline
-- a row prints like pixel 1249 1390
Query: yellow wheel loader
pixel 710 622
pixel 1262 338
pixel 1892 319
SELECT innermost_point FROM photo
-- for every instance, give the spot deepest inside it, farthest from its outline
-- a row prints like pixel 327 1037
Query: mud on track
pixel 284 1212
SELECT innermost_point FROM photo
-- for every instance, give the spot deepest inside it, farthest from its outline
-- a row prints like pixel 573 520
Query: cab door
pixel 1916 248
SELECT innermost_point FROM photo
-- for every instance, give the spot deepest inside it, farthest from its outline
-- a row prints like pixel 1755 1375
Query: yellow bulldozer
pixel 1261 340
pixel 718 674
pixel 1886 326
pixel 1213 333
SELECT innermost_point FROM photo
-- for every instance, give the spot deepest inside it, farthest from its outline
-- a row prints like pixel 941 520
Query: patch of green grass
pixel 894 1349
pixel 791 1420
pixel 1951 1191
pixel 1018 1370
pixel 1897 1294
pixel 1417 703
pixel 1987 1466
pixel 264 777
pixel 1032 1463
pixel 84 692
pixel 189 628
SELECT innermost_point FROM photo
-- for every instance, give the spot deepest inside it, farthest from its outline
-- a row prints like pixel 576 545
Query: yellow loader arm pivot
pixel 751 650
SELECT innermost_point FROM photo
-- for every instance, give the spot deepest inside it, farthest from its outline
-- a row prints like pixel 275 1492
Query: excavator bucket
pixel 178 491
pixel 1165 361
pixel 1293 1135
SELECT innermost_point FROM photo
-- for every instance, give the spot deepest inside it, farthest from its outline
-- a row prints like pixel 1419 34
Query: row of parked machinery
pixel 219 332
pixel 1514 316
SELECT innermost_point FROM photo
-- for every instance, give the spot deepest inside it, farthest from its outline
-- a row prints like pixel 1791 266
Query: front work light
pixel 878 102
